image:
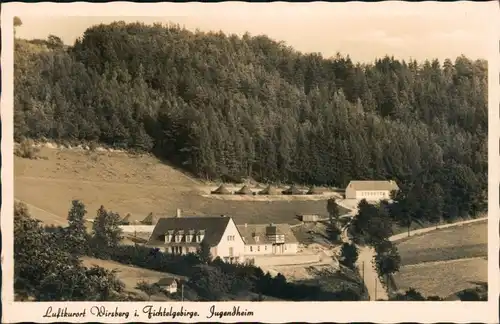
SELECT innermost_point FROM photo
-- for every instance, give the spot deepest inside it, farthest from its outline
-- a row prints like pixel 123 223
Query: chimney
pixel 178 213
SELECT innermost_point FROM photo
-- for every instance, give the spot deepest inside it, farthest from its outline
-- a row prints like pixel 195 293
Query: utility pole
pixel 363 271
pixel 375 289
pixel 182 292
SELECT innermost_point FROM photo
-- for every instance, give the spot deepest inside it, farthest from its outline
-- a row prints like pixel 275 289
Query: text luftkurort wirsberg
pixel 148 310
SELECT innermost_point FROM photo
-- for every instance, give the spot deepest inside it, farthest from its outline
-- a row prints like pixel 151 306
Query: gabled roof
pixel 214 227
pixel 249 231
pixel 244 191
pixel 125 220
pixel 269 190
pixel 293 190
pixel 222 190
pixel 151 219
pixel 315 191
pixel 373 185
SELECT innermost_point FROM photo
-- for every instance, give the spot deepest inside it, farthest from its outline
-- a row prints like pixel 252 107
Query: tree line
pixel 223 106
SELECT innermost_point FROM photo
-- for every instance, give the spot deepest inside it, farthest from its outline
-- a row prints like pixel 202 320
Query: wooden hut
pixel 293 190
pixel 315 191
pixel 222 190
pixel 244 191
pixel 125 220
pixel 149 220
pixel 270 190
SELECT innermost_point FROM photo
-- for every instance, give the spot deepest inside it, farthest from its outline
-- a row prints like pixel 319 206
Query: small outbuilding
pixel 309 218
pixel 315 191
pixel 169 284
pixel 151 219
pixel 244 191
pixel 222 190
pixel 125 220
pixel 269 190
pixel 293 190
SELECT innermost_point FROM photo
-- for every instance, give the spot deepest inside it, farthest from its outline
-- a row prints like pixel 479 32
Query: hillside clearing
pixel 443 278
pixel 467 241
pixel 135 184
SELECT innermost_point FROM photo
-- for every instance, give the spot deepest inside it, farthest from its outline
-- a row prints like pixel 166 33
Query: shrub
pixel 349 255
pixel 27 150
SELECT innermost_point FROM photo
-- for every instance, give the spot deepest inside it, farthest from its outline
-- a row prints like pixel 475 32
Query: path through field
pixel 366 256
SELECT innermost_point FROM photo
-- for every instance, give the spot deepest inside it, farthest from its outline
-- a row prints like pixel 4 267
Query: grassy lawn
pixel 131 275
pixel 133 184
pixel 443 278
pixel 465 241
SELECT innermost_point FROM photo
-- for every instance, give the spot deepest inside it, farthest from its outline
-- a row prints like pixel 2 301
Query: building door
pixel 231 251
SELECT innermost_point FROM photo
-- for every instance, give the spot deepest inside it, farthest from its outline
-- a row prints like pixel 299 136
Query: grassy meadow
pixel 135 184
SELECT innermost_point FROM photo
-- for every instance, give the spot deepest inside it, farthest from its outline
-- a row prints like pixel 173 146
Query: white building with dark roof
pixel 370 190
pixel 271 239
pixel 182 235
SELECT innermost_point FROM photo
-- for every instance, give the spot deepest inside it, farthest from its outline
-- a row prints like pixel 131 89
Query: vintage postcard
pixel 239 162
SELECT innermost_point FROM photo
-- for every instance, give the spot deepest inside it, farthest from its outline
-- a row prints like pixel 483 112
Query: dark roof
pixel 373 185
pixel 244 191
pixel 214 227
pixel 222 190
pixel 249 231
pixel 149 220
pixel 292 191
pixel 166 281
pixel 315 191
pixel 269 191
pixel 126 220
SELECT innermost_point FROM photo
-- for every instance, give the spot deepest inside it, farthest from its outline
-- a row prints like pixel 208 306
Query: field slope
pixel 444 261
pixel 135 184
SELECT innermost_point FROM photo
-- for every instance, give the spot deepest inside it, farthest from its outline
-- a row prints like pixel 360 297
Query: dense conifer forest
pixel 223 106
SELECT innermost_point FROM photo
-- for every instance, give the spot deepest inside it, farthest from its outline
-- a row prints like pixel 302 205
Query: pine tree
pixel 106 229
pixel 77 236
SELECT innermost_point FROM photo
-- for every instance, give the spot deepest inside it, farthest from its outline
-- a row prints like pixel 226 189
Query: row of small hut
pixel 268 191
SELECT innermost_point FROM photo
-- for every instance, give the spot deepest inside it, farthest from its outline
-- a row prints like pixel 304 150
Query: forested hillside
pixel 221 105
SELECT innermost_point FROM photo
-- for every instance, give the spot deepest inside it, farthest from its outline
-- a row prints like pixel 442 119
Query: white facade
pixel 271 249
pixel 231 247
pixel 137 228
pixel 373 194
pixel 375 190
pixel 172 288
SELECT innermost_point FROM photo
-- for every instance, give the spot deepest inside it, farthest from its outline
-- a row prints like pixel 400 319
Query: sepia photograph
pixel 239 152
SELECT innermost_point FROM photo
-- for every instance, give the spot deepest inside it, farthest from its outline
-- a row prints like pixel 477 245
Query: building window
pixel 251 249
pixel 178 238
pixel 284 246
pixel 230 238
pixel 258 248
pixel 265 247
